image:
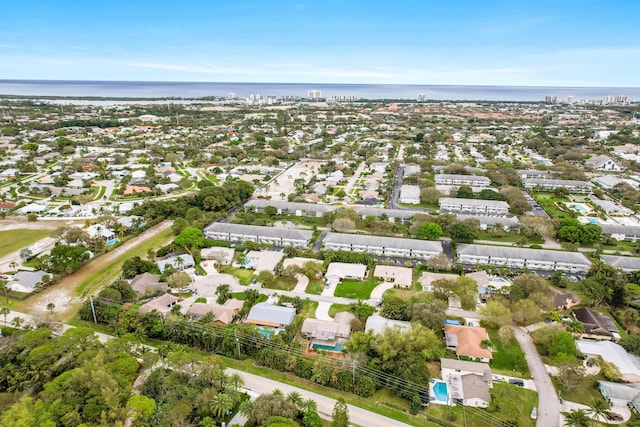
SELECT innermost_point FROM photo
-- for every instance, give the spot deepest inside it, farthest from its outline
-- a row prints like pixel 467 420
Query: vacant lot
pixel 14 240
pixel 355 289
pixel 99 272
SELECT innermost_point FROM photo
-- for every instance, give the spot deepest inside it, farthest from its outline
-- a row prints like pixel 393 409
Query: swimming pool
pixel 246 262
pixel 334 348
pixel 579 208
pixel 593 221
pixel 440 391
pixel 266 332
pixel 112 242
pixel 501 280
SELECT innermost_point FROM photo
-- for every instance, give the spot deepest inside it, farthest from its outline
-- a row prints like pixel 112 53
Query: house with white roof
pixel 337 271
pixel 399 276
pixel 603 163
pixel 410 194
pixel 275 316
pixel 26 281
pixel 163 304
pixel 178 262
pixel 379 324
pixel 627 364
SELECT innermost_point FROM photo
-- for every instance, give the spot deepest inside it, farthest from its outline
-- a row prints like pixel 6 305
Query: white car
pixel 534 413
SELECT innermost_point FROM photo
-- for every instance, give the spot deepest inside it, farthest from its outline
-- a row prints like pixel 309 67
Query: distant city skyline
pixel 494 42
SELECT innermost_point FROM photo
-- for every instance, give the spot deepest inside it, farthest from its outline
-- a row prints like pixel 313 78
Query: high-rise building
pixel 621 99
pixel 231 95
pixel 314 95
pixel 550 99
pixel 422 97
pixel 570 99
pixel 607 99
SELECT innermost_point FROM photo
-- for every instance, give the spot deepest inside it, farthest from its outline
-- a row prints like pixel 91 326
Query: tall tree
pixel 340 416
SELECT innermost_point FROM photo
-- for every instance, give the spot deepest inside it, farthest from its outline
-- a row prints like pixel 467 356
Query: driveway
pixel 303 282
pixel 322 312
pixel 548 404
pixel 378 291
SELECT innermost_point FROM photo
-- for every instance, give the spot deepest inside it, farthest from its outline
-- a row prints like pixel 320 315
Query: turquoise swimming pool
pixel 440 391
pixel 336 349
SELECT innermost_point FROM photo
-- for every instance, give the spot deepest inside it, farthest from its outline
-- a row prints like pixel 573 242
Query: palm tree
pixel 247 409
pixel 5 311
pixel 308 405
pixel 295 398
pixel 221 404
pixel 277 392
pixel 598 409
pixel 577 418
pixel 17 322
pixel 236 381
pixel 50 307
pixel 14 266
pixel 179 262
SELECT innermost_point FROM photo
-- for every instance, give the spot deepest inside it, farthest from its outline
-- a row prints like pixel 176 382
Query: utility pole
pixel 93 310
pixel 235 334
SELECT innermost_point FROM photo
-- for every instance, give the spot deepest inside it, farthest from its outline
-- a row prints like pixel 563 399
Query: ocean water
pixel 190 90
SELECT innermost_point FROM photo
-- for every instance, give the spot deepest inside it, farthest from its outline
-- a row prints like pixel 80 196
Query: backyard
pixel 508 359
pixel 355 289
pixel 245 276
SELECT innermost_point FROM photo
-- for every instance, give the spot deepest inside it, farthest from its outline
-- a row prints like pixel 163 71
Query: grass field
pixel 283 283
pixel 309 309
pixel 505 357
pixel 244 275
pixel 315 287
pixel 337 308
pixel 14 240
pixel 355 289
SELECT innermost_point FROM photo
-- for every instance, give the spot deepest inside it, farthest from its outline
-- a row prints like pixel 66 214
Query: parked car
pixel 516 381
pixel 612 416
pixel 534 413
pixel 497 379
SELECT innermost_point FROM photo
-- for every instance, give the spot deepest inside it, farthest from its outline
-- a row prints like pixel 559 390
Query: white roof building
pixel 410 194
pixel 382 246
pixel 628 364
pixel 378 324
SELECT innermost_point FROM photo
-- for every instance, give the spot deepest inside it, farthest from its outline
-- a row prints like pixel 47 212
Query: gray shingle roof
pixel 523 253
pixel 385 242
pixel 268 313
pixel 291 206
pixel 622 262
pixel 254 230
pixel 473 202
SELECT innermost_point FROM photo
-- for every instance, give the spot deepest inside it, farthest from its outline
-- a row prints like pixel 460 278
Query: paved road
pixel 357 415
pixel 548 404
pixel 395 190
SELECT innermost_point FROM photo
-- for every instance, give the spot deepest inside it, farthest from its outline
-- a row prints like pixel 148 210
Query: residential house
pixel 564 300
pixel 9 174
pixel 101 232
pixel 275 316
pixel 473 206
pixel 263 260
pixel 328 332
pixel 253 233
pixel 427 278
pixel 379 324
pixel 469 381
pixel 603 163
pixel 607 181
pixel 337 271
pixel 627 364
pixel 163 304
pixel 410 194
pixel 382 246
pixel 26 281
pixel 596 326
pixel 399 276
pixel 612 208
pixel 178 262
pixel 135 189
pixel 223 313
pixel 621 394
pixel 147 283
pixel 220 254
pixel 7 206
pixel 534 259
pixel 468 341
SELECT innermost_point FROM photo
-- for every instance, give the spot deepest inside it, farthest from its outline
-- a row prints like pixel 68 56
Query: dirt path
pixel 63 294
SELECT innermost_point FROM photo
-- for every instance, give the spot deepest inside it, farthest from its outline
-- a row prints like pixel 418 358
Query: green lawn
pixel 102 190
pixel 315 287
pixel 584 394
pixel 337 308
pixel 355 289
pixel 283 283
pixel 14 240
pixel 505 357
pixel 308 309
pixel 244 275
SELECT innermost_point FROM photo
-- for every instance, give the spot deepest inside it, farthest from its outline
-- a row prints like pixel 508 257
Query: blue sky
pixel 493 42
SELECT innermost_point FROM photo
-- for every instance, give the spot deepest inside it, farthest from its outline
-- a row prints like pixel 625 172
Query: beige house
pixel 399 276
pixel 223 313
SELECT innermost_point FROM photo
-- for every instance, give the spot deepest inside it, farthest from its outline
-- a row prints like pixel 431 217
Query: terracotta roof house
pixel 162 304
pixel 147 283
pixel 596 325
pixel 467 341
pixel 6 206
pixel 134 189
